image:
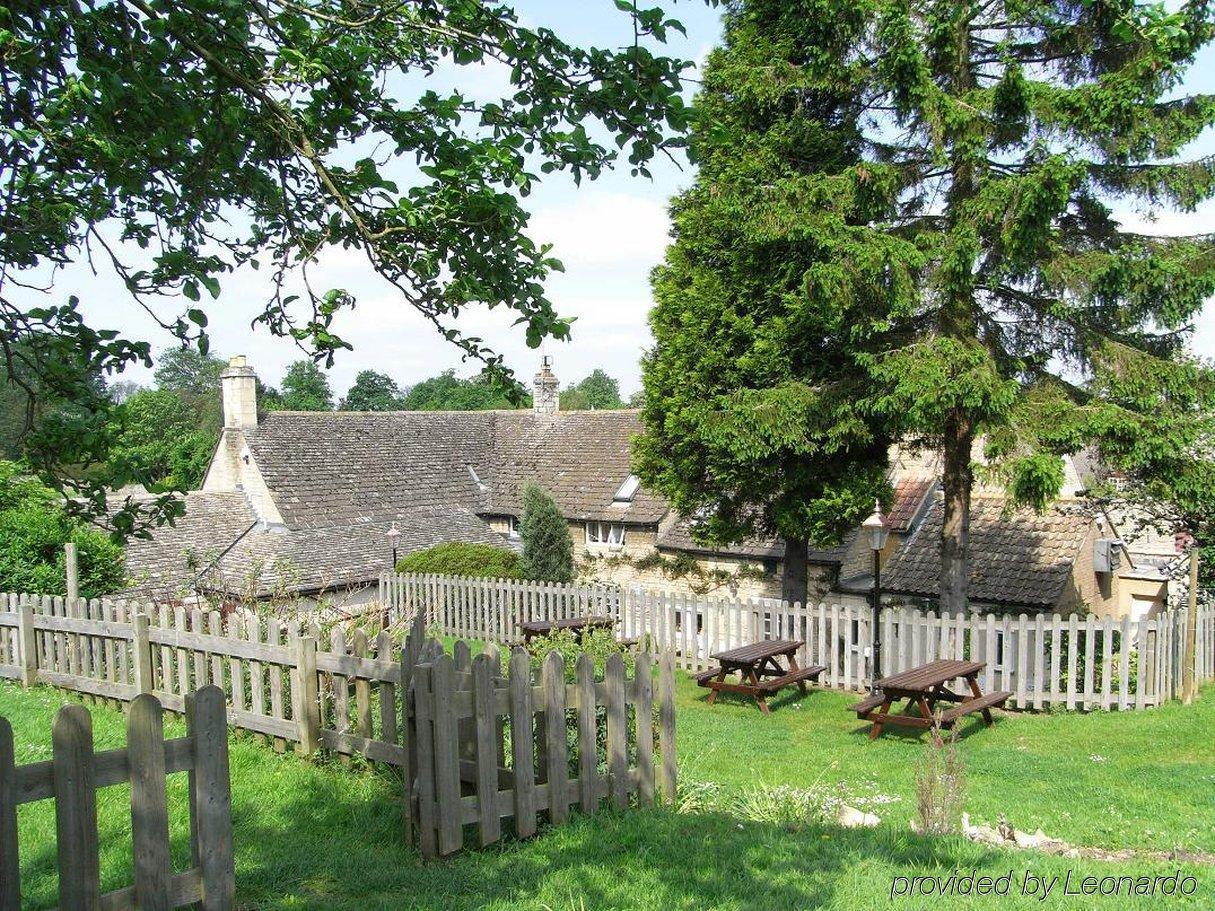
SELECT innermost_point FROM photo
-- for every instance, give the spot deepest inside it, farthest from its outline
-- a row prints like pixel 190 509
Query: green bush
pixel 548 550
pixel 33 529
pixel 458 558
pixel 600 644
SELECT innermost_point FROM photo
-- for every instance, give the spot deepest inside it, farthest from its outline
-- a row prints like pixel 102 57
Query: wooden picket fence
pixel 405 706
pixel 276 681
pixel 74 774
pixel 462 712
pixel 1071 662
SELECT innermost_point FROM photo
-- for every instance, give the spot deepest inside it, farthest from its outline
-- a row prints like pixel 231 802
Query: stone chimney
pixel 239 384
pixel 546 391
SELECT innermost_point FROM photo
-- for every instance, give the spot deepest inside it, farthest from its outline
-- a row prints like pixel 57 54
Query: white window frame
pixel 605 534
pixel 627 490
pixel 512 528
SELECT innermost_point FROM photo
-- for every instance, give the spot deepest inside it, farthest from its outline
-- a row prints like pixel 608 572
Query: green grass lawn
pixel 316 835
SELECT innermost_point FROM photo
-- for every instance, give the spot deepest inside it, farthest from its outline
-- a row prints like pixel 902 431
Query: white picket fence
pixel 1072 662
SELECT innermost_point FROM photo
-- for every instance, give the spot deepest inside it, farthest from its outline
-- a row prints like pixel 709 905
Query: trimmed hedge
pixel 459 558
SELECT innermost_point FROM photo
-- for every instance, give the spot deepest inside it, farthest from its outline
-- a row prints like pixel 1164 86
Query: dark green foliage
pixel 372 391
pixel 33 529
pixel 990 144
pixel 26 397
pixel 175 142
pixel 306 388
pixel 1038 317
pixel 163 441
pixel 447 392
pixel 765 308
pixel 548 549
pixel 189 372
pixel 598 391
pixel 459 558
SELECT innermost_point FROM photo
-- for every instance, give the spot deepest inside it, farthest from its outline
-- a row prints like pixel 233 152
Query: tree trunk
pixel 793 582
pixel 955 532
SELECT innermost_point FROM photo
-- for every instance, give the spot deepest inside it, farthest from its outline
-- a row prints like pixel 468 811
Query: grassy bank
pixel 315 835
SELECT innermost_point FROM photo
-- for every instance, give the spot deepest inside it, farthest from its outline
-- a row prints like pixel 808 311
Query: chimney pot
pixel 546 390
pixel 239 385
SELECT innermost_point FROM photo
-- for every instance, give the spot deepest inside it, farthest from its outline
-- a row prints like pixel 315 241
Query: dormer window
pixel 628 490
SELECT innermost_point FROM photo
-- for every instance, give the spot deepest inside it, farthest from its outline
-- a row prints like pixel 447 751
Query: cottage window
pixel 512 527
pixel 628 490
pixel 605 533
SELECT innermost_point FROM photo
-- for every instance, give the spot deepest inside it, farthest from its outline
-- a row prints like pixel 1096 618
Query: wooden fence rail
pixel 463 712
pixel 1071 662
pixel 276 681
pixel 74 774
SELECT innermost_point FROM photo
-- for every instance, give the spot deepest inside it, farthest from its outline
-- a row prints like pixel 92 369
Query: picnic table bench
pixel 759 672
pixel 577 625
pixel 923 687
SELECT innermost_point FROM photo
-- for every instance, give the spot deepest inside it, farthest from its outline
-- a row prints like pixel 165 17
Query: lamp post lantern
pixel 393 535
pixel 876 526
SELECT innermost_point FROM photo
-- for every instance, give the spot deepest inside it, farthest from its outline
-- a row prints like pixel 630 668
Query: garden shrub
pixel 548 550
pixel 459 558
pixel 33 529
pixel 600 644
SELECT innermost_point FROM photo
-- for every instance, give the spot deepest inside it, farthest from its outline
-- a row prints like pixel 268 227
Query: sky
pixel 608 233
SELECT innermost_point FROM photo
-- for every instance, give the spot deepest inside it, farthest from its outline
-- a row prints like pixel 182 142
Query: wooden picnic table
pixel 577 625
pixel 923 687
pixel 759 672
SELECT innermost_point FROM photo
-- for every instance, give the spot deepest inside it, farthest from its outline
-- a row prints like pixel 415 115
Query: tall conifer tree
pixel 753 389
pixel 1019 132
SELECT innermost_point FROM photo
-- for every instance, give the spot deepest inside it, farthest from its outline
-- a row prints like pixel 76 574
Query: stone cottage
pixel 299 504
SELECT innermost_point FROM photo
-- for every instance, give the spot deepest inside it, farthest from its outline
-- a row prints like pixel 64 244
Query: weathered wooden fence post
pixel 28 643
pixel 143 654
pixel 1188 686
pixel 211 797
pixel 149 806
pixel 10 865
pixel 72 571
pixel 666 721
pixel 76 809
pixel 304 696
pixel 522 714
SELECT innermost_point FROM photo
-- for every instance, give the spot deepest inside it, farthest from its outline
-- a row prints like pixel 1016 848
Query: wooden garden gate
pixel 463 713
pixel 76 772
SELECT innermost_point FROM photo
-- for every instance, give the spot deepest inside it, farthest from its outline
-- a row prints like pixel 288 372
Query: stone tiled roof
pixel 909 497
pixel 580 457
pixel 325 467
pixel 219 546
pixel 165 564
pixel 678 537
pixel 1017 558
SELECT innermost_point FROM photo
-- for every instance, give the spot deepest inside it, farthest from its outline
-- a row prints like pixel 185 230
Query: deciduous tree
pixel 372 391
pixel 171 141
pixel 306 388
pixel 448 392
pixel 597 391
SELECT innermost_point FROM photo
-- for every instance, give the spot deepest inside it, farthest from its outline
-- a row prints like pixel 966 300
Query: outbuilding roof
pixel 1017 557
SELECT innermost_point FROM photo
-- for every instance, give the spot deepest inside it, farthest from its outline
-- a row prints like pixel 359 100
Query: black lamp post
pixel 876 526
pixel 393 535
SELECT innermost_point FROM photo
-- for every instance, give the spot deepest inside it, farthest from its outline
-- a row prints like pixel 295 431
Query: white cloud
pixel 597 228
